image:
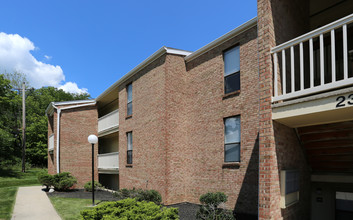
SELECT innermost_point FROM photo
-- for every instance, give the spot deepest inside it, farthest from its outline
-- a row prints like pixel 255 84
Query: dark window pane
pixel 232 83
pixel 129 108
pixel 232 152
pixel 292 181
pixel 129 157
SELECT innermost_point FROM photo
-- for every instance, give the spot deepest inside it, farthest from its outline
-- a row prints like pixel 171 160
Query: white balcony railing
pixel 109 161
pixel 304 76
pixel 51 143
pixel 109 121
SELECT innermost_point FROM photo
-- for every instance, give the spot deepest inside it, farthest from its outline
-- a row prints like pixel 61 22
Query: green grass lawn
pixel 10 180
pixel 70 208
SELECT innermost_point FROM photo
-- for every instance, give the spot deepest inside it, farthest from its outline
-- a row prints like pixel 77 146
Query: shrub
pixel 45 179
pixel 88 186
pixel 140 195
pixel 63 181
pixel 210 207
pixel 129 209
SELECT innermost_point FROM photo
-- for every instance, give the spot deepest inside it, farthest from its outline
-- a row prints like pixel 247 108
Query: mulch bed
pixel 187 211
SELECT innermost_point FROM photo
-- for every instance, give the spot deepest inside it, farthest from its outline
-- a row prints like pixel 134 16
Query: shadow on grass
pixel 9 172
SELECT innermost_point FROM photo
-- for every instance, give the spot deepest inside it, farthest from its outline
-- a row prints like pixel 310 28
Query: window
pixel 129 148
pixel 289 187
pixel 129 99
pixel 232 139
pixel 231 70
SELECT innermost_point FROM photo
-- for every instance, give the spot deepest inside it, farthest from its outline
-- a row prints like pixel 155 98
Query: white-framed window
pixel 129 99
pixel 290 182
pixel 129 147
pixel 231 60
pixel 232 139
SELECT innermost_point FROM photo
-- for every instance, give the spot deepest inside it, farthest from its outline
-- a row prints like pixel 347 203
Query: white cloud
pixel 73 88
pixel 15 55
pixel 48 57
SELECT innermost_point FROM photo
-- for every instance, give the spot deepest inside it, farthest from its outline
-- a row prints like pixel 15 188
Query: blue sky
pixel 94 43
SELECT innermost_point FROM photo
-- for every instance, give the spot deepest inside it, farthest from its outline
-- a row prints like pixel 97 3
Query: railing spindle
pixel 301 66
pixel 292 69
pixel 284 85
pixel 345 53
pixel 322 66
pixel 333 56
pixel 311 53
pixel 275 72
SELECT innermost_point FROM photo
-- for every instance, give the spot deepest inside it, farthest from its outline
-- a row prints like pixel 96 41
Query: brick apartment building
pixel 263 114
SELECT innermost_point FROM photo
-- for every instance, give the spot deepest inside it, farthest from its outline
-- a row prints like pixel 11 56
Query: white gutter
pixel 244 27
pixel 142 65
pixel 58 130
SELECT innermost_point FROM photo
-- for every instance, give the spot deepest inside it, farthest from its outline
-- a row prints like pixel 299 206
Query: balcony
pixel 314 62
pixel 108 163
pixel 51 143
pixel 108 123
pixel 313 76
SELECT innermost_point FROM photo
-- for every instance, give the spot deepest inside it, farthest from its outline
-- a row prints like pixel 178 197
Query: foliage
pixel 70 208
pixel 210 209
pixel 45 179
pixel 129 209
pixel 10 179
pixel 140 195
pixel 88 186
pixel 37 100
pixel 63 181
pixel 10 149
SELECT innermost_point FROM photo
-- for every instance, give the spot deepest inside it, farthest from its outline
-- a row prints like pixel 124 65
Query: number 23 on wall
pixel 341 99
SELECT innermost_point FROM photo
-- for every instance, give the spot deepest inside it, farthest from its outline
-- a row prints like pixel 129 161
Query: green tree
pixel 9 122
pixel 37 100
pixel 37 122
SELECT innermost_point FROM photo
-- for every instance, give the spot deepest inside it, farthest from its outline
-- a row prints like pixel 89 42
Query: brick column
pixel 269 189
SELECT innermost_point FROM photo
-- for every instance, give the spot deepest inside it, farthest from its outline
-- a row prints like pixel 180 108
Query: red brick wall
pixel 148 128
pixel 278 21
pixel 75 151
pixel 207 107
pixel 178 131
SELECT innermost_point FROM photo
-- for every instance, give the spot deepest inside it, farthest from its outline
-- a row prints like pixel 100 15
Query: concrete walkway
pixel 33 203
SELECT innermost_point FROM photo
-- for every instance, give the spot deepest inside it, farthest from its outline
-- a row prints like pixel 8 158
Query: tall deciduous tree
pixel 37 100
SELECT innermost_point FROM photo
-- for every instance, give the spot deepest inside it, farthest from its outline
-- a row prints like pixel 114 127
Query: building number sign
pixel 341 100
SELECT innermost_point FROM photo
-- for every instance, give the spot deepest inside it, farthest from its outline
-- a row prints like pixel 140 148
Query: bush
pixel 88 186
pixel 63 181
pixel 140 195
pixel 210 207
pixel 129 209
pixel 45 179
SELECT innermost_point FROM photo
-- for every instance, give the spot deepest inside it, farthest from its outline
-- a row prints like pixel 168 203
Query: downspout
pixel 58 131
pixel 58 141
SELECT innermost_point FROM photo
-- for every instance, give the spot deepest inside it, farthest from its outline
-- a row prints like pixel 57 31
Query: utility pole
pixel 23 127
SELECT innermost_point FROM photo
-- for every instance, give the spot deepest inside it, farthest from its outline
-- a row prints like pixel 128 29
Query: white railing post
pixel 322 64
pixel 292 69
pixel 311 51
pixel 301 54
pixel 333 56
pixel 275 83
pixel 284 85
pixel 345 53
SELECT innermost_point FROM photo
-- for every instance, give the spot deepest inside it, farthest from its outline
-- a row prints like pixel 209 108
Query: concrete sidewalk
pixel 33 203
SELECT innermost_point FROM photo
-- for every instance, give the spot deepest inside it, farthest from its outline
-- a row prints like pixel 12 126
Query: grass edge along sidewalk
pixel 10 180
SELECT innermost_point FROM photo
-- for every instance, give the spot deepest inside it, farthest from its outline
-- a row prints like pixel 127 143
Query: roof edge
pixel 240 29
pixel 51 105
pixel 143 64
